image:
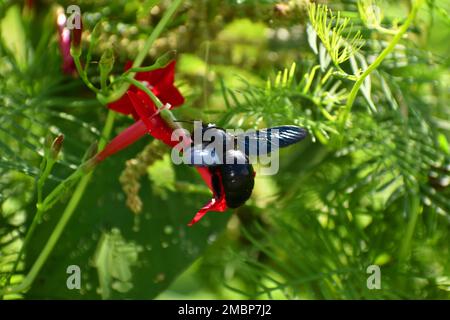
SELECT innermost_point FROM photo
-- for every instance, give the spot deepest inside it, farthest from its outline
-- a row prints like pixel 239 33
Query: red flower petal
pixel 122 105
pixel 128 65
pixel 218 205
pixel 77 33
pixel 127 137
pixel 156 126
pixel 163 77
pixel 160 81
pixel 171 95
pixel 64 36
pixel 140 109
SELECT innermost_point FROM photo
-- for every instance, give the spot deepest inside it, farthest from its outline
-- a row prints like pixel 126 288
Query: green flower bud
pixel 106 61
pixel 91 151
pixel 166 58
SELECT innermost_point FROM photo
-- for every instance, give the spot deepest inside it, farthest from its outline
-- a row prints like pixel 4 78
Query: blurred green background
pixel 372 192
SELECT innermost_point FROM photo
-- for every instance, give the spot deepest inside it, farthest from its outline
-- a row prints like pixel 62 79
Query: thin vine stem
pixel 353 93
pixel 83 74
pixel 166 114
pixel 412 206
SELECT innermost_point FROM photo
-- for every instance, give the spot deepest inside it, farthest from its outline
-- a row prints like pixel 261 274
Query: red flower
pixel 160 82
pixel 76 34
pixel 150 121
pixel 217 204
pixel 29 4
pixel 68 65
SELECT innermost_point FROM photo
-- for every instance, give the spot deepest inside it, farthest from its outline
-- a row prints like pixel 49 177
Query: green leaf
pixel 13 35
pixel 312 38
pixel 443 143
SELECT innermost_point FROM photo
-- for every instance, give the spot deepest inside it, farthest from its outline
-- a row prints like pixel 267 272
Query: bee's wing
pixel 202 157
pixel 264 141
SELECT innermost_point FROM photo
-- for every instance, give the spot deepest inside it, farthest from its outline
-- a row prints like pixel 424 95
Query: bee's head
pixel 211 133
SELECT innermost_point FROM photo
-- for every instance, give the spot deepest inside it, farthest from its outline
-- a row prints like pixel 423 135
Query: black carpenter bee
pixel 227 157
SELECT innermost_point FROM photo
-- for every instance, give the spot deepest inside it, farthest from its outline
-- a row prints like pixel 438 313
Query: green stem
pixel 166 114
pixel 42 179
pixel 143 53
pixel 67 214
pixel 30 232
pixel 54 237
pixel 83 75
pixel 59 189
pixel 352 96
pixel 152 96
pixel 156 32
pixel 103 85
pixel 37 217
pixel 107 129
pixel 141 69
pixel 413 213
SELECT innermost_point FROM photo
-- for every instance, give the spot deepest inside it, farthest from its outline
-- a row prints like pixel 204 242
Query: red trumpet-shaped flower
pixel 148 120
pixel 139 104
pixel 160 82
pixel 68 65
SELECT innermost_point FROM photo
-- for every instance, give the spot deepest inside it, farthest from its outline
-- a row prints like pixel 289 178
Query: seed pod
pixel 106 62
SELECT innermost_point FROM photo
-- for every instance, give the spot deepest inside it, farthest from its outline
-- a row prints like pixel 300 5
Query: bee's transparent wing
pixel 202 157
pixel 264 141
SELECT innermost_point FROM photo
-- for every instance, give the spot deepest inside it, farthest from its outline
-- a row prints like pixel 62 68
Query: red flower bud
pixel 56 146
pixel 77 33
pixel 68 65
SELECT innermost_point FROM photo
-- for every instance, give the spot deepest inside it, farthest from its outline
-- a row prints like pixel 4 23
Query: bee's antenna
pixel 185 121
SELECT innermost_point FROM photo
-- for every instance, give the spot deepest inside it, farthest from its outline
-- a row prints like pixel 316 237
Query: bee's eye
pixel 209 131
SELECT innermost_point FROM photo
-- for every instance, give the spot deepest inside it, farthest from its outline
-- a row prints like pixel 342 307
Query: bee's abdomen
pixel 238 181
